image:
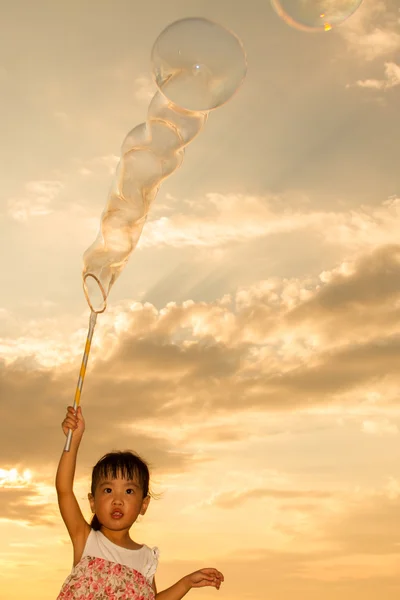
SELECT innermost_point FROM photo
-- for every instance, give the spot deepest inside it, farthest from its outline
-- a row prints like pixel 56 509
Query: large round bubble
pixel 197 64
pixel 315 15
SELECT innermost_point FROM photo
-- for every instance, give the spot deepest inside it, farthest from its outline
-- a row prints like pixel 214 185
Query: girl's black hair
pixel 120 464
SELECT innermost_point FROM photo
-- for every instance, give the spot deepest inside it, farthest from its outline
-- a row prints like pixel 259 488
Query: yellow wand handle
pixel 92 323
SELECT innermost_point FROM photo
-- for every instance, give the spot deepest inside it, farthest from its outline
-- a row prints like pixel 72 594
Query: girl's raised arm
pixel 71 513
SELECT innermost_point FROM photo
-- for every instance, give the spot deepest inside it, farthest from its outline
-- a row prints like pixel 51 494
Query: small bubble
pixel 315 15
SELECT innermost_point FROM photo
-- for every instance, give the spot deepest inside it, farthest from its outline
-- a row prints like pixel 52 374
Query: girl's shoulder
pixel 150 565
pixel 153 552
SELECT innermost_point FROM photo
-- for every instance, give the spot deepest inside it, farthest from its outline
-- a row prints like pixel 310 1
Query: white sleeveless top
pixel 144 560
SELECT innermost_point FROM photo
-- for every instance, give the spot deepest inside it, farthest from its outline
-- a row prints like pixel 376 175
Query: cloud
pixel 227 221
pixel 26 506
pixel 42 396
pixel 37 200
pixel 392 79
pixel 279 345
pixel 370 280
pixel 275 325
pixel 12 478
pixel 372 32
pixel 379 427
pixel 367 526
pixel 273 339
pixel 99 165
pixel 232 499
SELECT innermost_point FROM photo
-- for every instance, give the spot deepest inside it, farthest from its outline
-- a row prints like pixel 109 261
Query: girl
pixel 108 564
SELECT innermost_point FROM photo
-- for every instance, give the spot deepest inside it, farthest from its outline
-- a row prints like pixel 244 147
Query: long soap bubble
pixel 197 65
pixel 315 15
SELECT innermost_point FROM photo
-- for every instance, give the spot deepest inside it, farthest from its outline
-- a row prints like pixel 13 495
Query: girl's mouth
pixel 117 514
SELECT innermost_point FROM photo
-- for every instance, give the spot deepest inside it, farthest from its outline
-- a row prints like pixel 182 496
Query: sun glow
pixel 13 479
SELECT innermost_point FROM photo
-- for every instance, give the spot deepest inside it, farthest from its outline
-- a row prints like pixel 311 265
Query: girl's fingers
pixel 212 577
pixel 213 573
pixel 72 427
pixel 71 418
pixel 72 412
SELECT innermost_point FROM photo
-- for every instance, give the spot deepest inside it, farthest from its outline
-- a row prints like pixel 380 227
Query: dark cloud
pixel 373 285
pixel 31 425
pixel 169 382
pixel 158 356
pixel 22 505
pixel 336 372
pixel 162 372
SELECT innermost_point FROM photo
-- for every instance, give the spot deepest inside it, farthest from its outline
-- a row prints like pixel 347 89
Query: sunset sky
pixel 250 350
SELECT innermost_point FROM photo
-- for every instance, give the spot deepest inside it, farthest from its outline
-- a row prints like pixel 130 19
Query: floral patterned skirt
pixel 100 579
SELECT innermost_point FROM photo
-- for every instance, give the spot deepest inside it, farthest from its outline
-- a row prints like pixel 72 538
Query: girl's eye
pixel 130 491
pixel 107 490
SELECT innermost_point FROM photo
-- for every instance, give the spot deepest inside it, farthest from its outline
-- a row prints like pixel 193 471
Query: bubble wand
pixel 197 66
pixel 82 372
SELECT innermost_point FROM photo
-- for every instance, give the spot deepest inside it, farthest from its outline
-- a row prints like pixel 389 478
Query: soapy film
pixel 149 153
pixel 315 15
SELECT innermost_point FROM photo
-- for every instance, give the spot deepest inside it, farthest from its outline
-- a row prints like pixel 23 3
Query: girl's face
pixel 118 503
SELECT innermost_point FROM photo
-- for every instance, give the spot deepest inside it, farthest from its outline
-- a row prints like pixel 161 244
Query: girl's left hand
pixel 203 577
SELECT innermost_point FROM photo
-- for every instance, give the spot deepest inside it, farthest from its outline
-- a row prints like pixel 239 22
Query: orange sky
pixel 250 350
